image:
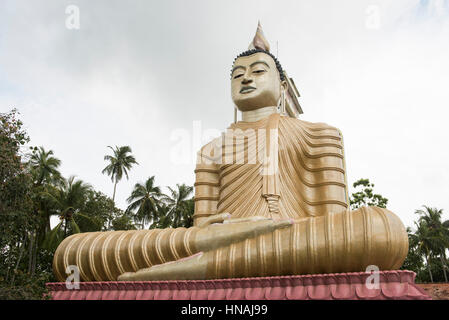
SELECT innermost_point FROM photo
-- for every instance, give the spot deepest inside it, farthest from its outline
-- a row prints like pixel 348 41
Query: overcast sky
pixel 150 74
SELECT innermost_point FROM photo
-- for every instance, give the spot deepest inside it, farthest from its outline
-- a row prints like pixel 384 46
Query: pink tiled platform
pixel 398 285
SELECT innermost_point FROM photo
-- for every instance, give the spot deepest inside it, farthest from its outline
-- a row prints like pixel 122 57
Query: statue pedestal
pixel 393 285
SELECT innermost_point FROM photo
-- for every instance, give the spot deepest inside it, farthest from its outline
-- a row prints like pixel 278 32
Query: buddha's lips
pixel 247 89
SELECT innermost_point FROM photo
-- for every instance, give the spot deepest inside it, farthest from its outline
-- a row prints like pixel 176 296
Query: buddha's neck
pixel 258 114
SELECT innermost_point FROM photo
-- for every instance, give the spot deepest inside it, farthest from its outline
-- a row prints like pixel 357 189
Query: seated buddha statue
pixel 271 199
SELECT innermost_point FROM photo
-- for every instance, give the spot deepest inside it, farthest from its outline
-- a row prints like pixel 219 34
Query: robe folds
pixel 299 165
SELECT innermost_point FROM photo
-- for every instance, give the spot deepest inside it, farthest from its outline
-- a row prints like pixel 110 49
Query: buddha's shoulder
pixel 211 150
pixel 215 142
pixel 312 127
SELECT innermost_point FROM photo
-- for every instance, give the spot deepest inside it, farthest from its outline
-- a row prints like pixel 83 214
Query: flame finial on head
pixel 259 41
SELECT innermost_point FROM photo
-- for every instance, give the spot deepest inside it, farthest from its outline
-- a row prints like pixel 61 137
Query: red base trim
pixel 397 285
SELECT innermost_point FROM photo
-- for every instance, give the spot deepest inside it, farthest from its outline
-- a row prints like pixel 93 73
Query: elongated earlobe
pixel 283 101
pixel 235 114
pixel 283 97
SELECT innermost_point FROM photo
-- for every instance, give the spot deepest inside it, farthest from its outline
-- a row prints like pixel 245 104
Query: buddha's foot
pixel 190 268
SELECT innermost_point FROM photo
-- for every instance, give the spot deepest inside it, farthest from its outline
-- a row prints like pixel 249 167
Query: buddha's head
pixel 256 77
pixel 256 80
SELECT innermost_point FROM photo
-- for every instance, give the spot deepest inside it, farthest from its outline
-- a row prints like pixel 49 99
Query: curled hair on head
pixel 253 51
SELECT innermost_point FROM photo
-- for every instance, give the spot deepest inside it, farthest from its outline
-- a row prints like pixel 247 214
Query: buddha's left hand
pixel 230 231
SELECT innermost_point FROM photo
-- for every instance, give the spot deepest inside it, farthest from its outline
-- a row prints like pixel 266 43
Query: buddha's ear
pixel 284 85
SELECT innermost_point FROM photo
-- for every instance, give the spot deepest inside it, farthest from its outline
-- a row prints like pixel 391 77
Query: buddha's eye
pixel 238 76
pixel 259 71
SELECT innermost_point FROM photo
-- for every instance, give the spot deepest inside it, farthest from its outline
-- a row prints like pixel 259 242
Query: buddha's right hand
pixel 221 230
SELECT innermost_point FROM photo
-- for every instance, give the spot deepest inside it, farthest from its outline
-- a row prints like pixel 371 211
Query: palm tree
pixel 144 200
pixel 179 205
pixel 425 241
pixel 189 209
pixel 438 233
pixel 44 169
pixel 432 216
pixel 163 219
pixel 445 231
pixel 44 166
pixel 69 199
pixel 414 259
pixel 119 163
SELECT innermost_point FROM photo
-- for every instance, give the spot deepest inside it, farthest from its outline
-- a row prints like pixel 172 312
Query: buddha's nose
pixel 246 81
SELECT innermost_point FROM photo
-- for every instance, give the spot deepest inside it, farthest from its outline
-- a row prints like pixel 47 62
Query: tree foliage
pixel 144 201
pixel 428 245
pixel 365 196
pixel 179 205
pixel 150 206
pixel 119 164
pixel 18 221
pixel 32 190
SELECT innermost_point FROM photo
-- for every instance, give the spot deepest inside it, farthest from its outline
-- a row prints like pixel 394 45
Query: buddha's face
pixel 255 82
